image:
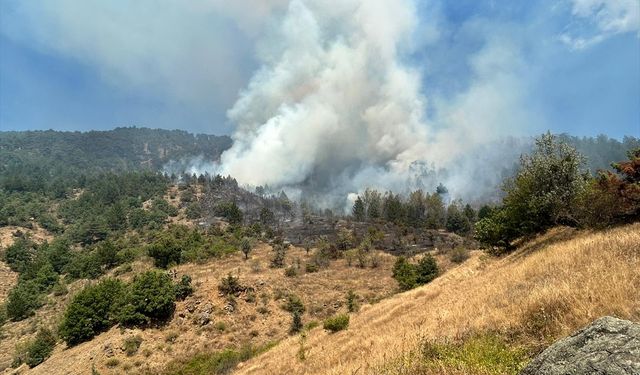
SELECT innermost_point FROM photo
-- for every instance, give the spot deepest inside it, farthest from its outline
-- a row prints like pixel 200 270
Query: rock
pixel 606 346
pixel 191 307
pixel 203 318
pixel 208 308
pixel 108 349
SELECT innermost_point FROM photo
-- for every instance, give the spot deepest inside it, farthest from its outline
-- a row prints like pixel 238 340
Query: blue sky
pixel 574 65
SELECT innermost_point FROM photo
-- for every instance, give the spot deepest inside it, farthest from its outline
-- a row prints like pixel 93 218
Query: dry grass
pixel 323 294
pixel 545 290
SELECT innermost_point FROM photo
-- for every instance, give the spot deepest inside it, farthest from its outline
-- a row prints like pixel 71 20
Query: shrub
pixel 40 348
pixel 336 323
pixel 112 362
pixel 291 272
pixel 164 252
pixel 479 354
pixel 231 212
pixel 405 274
pixel 459 255
pixel 60 289
pixel 427 269
pixel 150 298
pixel 194 211
pixel 230 285
pixel 221 362
pixel 184 288
pixel 279 255
pixel 23 300
pixel 84 265
pixel 91 311
pixel 294 304
pixel 296 323
pixel 311 267
pixel 131 345
pixel 246 246
pixel 352 301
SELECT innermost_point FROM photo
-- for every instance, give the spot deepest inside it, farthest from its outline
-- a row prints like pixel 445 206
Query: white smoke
pixel 335 107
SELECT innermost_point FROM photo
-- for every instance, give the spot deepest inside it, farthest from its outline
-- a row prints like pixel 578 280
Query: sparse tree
pixel 359 212
pixel 246 246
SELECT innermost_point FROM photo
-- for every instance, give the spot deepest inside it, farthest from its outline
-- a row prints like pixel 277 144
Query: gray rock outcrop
pixel 606 346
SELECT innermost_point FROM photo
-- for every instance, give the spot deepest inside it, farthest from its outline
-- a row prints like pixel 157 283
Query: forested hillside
pixel 55 153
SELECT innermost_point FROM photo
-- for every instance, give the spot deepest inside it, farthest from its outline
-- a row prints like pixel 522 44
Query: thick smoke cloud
pixel 335 107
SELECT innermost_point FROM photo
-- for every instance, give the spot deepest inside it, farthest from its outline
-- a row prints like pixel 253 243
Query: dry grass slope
pixel 545 290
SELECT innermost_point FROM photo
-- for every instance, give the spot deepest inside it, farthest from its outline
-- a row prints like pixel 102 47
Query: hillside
pixel 120 149
pixel 545 290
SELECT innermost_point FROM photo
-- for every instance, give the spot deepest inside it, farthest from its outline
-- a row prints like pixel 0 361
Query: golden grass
pixel 323 294
pixel 547 289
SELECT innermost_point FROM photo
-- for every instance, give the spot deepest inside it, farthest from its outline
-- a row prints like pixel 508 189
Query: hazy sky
pixel 569 65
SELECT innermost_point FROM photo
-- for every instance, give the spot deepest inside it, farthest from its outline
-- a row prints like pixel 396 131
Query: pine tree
pixel 358 210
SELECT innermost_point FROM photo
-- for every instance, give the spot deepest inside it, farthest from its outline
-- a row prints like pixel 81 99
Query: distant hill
pixel 101 151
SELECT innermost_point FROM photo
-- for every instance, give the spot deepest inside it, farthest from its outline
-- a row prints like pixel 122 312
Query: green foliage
pixel 184 288
pixel 336 323
pixel 279 255
pixel 19 255
pixel 93 310
pixel 107 254
pixel 409 275
pixel 194 211
pixel 40 348
pixel 150 298
pixel 352 301
pixel 131 345
pixel 358 211
pixel 165 251
pixel 222 362
pixel 84 265
pixel 230 285
pixel 457 221
pixel 296 322
pixel 245 246
pixel 427 269
pixel 294 304
pixel 543 193
pixel 231 212
pixel 405 274
pixel 480 354
pixel 23 300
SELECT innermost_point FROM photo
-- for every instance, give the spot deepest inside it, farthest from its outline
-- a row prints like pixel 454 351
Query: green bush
pixel 40 348
pixel 352 301
pixel 405 274
pixel 184 288
pixel 336 323
pixel 150 298
pixel 92 310
pixel 410 276
pixel 296 323
pixel 84 265
pixel 230 285
pixel 131 345
pixel 165 251
pixel 23 300
pixel 427 269
pixel 480 354
pixel 294 304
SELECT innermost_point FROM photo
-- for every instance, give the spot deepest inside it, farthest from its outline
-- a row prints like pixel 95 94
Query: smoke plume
pixel 336 107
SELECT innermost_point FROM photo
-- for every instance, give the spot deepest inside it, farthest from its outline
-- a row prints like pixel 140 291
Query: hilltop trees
pixel 613 197
pixel 542 194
